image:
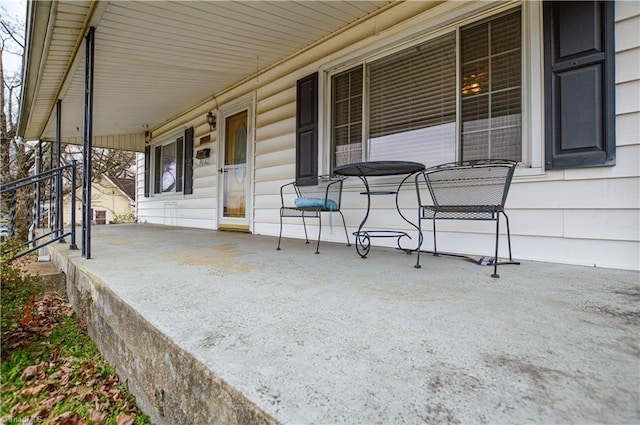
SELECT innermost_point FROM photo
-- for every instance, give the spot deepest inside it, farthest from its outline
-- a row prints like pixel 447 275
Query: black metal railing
pixel 46 222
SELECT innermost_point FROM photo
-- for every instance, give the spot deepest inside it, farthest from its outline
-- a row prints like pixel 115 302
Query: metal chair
pixel 465 190
pixel 310 201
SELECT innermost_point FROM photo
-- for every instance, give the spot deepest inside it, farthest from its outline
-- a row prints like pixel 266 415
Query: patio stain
pixel 540 377
pixel 438 413
pixel 624 309
pixel 224 258
pixel 627 317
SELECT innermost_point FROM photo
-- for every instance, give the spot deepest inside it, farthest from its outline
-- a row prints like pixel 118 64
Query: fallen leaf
pixel 67 418
pixel 20 408
pixel 32 390
pixel 88 396
pixel 124 419
pixel 40 415
pixel 28 317
pixel 97 417
pixel 56 375
pixel 31 371
pixel 52 400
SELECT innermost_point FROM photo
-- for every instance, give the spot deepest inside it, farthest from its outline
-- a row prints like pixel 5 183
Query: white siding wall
pixel 198 209
pixel 583 216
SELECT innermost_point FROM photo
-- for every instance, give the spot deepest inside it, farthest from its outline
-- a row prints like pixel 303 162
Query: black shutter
pixel 579 84
pixel 179 163
pixel 188 161
pixel 307 130
pixel 147 171
pixel 158 170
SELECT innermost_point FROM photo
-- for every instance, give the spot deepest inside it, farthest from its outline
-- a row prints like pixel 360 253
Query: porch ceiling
pixel 154 60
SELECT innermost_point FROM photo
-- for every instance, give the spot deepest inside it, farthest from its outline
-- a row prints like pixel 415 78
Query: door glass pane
pixel 235 167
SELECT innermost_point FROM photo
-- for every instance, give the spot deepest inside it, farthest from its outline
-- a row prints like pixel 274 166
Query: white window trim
pixel 434 23
pixel 152 189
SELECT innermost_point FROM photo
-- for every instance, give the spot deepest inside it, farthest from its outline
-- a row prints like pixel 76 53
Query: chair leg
pixel 435 246
pixel 508 235
pixel 495 258
pixel 417 266
pixel 344 223
pixel 319 232
pixel 280 236
pixel 304 224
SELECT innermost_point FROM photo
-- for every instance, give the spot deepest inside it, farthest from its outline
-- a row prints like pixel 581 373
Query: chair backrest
pixel 470 183
pixel 327 188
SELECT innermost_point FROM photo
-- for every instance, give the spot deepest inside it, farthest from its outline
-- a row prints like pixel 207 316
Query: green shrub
pixel 17 289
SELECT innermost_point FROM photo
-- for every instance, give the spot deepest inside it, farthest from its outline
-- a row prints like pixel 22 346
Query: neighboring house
pixel 111 199
pixel 298 88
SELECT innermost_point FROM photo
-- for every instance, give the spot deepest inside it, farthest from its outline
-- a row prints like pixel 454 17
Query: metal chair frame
pixel 328 189
pixel 466 190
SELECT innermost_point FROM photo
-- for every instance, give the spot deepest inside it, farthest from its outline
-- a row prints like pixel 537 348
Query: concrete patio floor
pixel 336 339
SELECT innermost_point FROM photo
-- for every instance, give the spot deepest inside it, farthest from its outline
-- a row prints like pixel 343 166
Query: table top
pixel 379 168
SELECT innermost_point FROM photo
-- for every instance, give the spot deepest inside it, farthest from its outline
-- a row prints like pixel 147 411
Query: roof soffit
pixel 156 59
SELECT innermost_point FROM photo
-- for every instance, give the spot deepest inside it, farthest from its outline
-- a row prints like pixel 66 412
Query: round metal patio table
pixel 363 170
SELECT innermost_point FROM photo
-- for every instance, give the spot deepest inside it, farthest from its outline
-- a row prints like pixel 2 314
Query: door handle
pixel 223 171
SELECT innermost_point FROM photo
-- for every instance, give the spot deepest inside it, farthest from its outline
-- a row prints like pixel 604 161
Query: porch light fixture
pixel 211 120
pixel 472 84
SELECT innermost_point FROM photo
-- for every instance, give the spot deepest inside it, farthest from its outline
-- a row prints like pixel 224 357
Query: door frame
pixel 245 103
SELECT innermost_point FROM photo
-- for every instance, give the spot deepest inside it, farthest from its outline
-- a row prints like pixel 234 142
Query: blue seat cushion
pixel 328 204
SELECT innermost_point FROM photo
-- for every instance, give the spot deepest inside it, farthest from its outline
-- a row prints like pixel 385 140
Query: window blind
pixel 412 103
pixel 491 89
pixel 347 117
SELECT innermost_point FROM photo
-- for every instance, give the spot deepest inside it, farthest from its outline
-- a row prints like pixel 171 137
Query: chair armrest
pixel 282 190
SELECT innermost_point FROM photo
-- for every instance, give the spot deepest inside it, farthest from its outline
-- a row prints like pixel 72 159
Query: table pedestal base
pixel 363 240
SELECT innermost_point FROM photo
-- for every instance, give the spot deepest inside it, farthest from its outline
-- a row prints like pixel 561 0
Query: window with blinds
pixel 490 55
pixel 411 104
pixel 347 117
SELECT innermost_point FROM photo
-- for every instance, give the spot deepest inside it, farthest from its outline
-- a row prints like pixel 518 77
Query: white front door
pixel 234 173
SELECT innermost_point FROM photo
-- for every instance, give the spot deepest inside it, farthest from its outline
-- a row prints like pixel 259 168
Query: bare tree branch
pixel 10 34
